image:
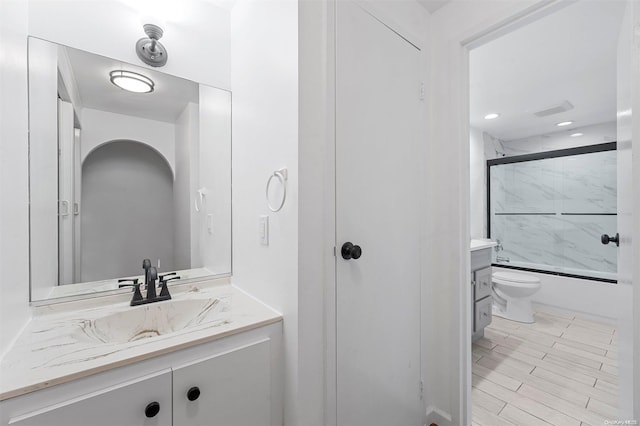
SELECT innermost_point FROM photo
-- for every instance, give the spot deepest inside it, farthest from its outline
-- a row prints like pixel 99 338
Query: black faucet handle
pixel 169 279
pixel 168 274
pixel 133 281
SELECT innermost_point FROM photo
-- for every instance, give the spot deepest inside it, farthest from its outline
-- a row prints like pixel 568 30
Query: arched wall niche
pixel 127 214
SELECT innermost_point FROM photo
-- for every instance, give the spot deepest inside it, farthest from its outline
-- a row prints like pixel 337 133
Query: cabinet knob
pixel 193 393
pixel 152 409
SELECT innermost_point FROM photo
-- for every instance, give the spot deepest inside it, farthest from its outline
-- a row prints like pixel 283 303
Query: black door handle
pixel 350 251
pixel 605 239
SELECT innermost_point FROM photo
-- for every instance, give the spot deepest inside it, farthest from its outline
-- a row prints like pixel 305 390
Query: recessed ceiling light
pixel 564 123
pixel 491 116
pixel 131 81
pixel 575 135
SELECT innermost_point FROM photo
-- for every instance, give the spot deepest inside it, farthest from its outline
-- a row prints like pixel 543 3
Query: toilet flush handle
pixel 605 239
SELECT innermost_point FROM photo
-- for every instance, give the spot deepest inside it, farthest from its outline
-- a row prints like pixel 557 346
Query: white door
pixel 628 99
pixel 377 209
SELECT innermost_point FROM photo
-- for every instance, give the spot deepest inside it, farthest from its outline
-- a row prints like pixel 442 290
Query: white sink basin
pixel 155 319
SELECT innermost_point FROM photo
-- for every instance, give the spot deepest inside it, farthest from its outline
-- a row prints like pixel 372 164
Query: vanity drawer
pixel 482 287
pixel 482 313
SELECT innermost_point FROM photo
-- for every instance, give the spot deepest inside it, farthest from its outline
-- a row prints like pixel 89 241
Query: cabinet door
pixel 483 283
pixel 231 389
pixel 482 317
pixel 121 405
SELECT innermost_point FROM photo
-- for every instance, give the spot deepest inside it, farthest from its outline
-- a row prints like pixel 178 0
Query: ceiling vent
pixel 555 109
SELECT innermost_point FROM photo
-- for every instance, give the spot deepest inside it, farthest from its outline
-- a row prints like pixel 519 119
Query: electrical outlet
pixel 210 223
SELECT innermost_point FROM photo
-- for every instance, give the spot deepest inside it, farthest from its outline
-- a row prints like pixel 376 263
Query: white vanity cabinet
pixel 481 298
pixel 238 380
pixel 145 401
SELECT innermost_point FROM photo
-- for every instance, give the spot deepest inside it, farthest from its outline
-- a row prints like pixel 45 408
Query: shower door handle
pixel 605 239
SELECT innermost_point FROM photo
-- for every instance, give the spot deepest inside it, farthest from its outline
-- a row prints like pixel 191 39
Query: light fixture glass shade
pixel 131 81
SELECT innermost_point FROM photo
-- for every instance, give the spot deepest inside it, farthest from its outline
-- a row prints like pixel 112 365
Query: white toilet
pixel 512 293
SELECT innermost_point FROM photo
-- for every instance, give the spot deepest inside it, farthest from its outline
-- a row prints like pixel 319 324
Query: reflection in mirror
pixel 117 176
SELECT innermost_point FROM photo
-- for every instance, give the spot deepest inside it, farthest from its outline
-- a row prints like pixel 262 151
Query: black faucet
pixel 150 277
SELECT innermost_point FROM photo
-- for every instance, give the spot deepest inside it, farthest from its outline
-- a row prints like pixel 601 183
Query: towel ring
pixel 282 177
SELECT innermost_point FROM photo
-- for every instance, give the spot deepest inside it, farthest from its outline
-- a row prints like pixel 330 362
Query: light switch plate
pixel 263 230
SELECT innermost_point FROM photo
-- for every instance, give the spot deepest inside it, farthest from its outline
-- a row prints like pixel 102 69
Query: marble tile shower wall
pixel 549 214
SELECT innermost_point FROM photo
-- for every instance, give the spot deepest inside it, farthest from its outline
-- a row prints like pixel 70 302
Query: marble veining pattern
pixel 61 346
pixel 550 214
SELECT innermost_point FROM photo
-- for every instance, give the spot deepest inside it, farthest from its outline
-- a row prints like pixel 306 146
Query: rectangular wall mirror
pixel 125 163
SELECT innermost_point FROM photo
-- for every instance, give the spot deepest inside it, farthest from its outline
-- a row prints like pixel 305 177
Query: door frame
pixel 459 44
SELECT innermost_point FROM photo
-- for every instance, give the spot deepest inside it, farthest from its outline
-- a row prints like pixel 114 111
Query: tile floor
pixel 561 370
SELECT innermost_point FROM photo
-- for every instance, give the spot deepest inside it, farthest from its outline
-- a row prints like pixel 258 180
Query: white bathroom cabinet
pixel 237 378
pixel 481 298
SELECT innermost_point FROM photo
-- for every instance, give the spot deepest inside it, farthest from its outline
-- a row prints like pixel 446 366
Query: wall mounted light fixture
pixel 150 50
pixel 131 81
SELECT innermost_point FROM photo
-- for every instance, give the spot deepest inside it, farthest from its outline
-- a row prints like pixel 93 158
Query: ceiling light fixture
pixel 575 135
pixel 131 81
pixel 150 50
pixel 564 123
pixel 491 116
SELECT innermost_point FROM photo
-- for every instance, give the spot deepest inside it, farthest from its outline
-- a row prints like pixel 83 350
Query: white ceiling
pixel 568 55
pixel 165 103
pixel 432 5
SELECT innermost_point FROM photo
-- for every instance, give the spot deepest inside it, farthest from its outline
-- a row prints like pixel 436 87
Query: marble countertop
pixel 61 344
pixel 482 244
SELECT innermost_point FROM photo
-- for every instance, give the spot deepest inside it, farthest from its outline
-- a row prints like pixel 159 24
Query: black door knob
pixel 152 409
pixel 350 251
pixel 605 239
pixel 193 393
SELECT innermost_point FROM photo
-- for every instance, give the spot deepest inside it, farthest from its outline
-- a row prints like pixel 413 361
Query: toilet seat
pixel 515 280
pixel 515 277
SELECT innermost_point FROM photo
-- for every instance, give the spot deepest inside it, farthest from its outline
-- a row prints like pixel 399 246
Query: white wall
pixel 112 27
pixel 99 127
pixel 14 178
pixel 478 180
pixel 43 160
pixel 186 135
pixel 264 72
